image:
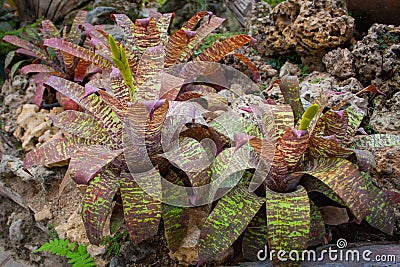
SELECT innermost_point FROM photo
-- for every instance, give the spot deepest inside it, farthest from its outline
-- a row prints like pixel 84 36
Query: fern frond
pixel 79 257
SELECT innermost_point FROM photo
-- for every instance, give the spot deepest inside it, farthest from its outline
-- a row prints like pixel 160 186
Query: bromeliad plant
pixel 135 93
pixel 310 159
pixel 48 61
pixel 310 155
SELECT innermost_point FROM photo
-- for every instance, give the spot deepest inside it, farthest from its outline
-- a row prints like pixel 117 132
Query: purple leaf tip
pixel 331 138
pixel 89 89
pixel 339 112
pixel 241 139
pixel 115 73
pixel 144 22
pixel 299 133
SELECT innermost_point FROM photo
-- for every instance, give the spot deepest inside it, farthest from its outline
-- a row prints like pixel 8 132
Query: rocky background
pixel 331 48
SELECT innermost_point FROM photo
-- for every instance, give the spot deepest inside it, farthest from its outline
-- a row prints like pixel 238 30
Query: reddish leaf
pixel 86 162
pixel 97 204
pixel 79 52
pixel 142 212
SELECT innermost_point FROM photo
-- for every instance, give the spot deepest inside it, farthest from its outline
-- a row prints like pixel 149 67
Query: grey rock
pixel 19 82
pixel 99 15
pixel 15 232
pixel 141 251
pixel 117 262
pixel 339 63
pixel 289 69
pixel 323 84
pixel 377 58
pixel 12 166
pixel 386 115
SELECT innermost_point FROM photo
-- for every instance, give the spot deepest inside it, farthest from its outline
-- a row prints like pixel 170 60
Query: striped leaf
pixel 146 34
pixel 327 146
pixel 26 46
pixel 113 103
pixel 314 185
pixel 118 86
pixel 149 74
pixel 49 29
pixel 288 217
pixel 255 238
pixel 345 180
pixel 176 45
pixel 381 215
pixel 127 28
pixel 202 32
pixel 142 212
pixel 163 23
pixel 336 123
pixel 54 151
pixel 176 221
pixel 82 125
pixel 104 113
pixel 354 119
pixel 33 68
pixel 317 226
pixel 97 204
pixel 79 52
pixel 192 22
pixel 291 92
pixel 86 162
pixel 376 141
pixel 292 145
pixel 276 119
pixel 221 49
pixel 74 34
pixel 232 214
pixel 92 103
pixel 81 70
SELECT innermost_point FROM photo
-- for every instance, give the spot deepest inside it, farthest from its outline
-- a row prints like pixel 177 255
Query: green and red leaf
pixel 82 125
pixel 202 32
pixel 192 22
pixel 221 49
pixel 97 204
pixel 345 180
pixel 25 45
pixel 376 141
pixel 54 151
pixel 381 214
pixel 288 220
pixel 176 221
pixel 146 34
pixel 88 161
pixel 78 51
pixel 255 238
pixel 233 213
pixel 142 211
pixel 148 75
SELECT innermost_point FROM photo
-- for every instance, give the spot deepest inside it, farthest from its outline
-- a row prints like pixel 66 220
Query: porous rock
pixel 386 115
pixel 33 123
pixel 323 84
pixel 339 63
pixel 377 58
pixel 310 28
